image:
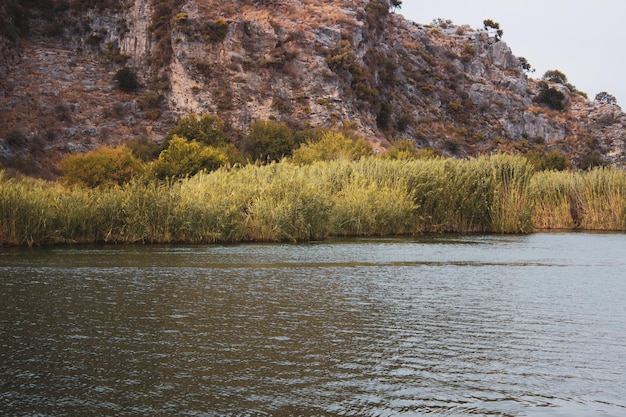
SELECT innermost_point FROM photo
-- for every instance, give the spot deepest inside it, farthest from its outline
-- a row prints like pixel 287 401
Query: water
pixel 437 325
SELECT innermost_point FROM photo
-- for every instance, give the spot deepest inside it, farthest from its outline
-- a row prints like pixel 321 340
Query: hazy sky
pixel 584 39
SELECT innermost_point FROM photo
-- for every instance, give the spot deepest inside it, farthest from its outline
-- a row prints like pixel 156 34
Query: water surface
pixel 438 325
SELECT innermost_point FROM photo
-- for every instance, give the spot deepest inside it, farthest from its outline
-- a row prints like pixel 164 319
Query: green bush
pixel 111 52
pixel 203 68
pixel 343 60
pixel 332 145
pixel 555 76
pixel 551 97
pixel 183 158
pixel 365 207
pixel 208 130
pixel 550 161
pixel 511 211
pixel 289 202
pixel 376 13
pixel 36 212
pixel 16 138
pixel 383 120
pixel 269 141
pixel 591 200
pixel 144 149
pixel 310 135
pixel 103 167
pixel 290 206
pixel 150 100
pixel 404 149
pixel 525 65
pixel 127 80
pixel 395 5
pixel 161 14
pixel 493 28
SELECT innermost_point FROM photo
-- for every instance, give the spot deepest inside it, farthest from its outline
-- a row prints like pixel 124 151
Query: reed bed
pixel 288 202
pixel 591 200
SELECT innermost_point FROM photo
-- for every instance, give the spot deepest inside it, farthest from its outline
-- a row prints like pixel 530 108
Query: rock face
pixel 308 63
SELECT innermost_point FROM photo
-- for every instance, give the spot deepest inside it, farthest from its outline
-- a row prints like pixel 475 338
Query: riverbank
pixel 288 202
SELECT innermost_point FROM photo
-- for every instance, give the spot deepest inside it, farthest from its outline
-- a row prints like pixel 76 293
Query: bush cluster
pixel 558 77
pixel 200 143
pixel 493 28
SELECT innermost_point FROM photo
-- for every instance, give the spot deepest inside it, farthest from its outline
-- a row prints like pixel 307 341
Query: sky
pixel 584 39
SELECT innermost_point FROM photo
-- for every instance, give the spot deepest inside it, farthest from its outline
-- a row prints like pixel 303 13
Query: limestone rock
pixel 307 63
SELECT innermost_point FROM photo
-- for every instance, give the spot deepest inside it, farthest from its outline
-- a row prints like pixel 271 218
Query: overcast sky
pixel 584 39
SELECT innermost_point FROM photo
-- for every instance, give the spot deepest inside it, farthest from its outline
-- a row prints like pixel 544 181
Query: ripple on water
pixel 471 325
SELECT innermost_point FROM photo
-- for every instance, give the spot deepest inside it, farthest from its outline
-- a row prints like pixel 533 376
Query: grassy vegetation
pixel 589 200
pixel 290 202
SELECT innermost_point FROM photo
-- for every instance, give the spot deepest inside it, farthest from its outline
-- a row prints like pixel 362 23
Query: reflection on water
pixel 464 325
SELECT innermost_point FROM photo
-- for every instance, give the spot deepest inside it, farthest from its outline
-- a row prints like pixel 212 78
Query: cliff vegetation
pixel 76 76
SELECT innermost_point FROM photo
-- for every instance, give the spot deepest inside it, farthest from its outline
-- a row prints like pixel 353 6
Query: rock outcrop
pixel 308 63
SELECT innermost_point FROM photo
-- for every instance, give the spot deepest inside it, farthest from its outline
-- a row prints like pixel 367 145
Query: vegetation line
pixel 286 201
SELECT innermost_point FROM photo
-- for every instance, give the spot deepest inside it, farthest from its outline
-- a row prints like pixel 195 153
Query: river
pixel 445 325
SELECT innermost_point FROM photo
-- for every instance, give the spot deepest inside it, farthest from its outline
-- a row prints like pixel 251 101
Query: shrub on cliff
pixel 605 97
pixel 551 97
pixel 127 80
pixel 376 12
pixel 555 76
pixel 494 28
pixel 395 5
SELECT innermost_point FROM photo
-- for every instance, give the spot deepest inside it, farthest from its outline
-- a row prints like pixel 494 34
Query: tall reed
pixel 366 204
pixel 290 205
pixel 511 210
pixel 592 200
pixel 287 202
pixel 22 220
pixel 554 196
pixel 604 199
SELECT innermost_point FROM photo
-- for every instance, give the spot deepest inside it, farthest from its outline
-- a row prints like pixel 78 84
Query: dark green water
pixel 446 325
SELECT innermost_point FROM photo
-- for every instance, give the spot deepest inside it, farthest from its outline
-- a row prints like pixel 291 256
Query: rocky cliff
pixel 309 63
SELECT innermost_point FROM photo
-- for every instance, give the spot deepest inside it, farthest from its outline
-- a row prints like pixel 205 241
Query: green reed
pixel 555 196
pixel 591 200
pixel 511 210
pixel 36 212
pixel 288 202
